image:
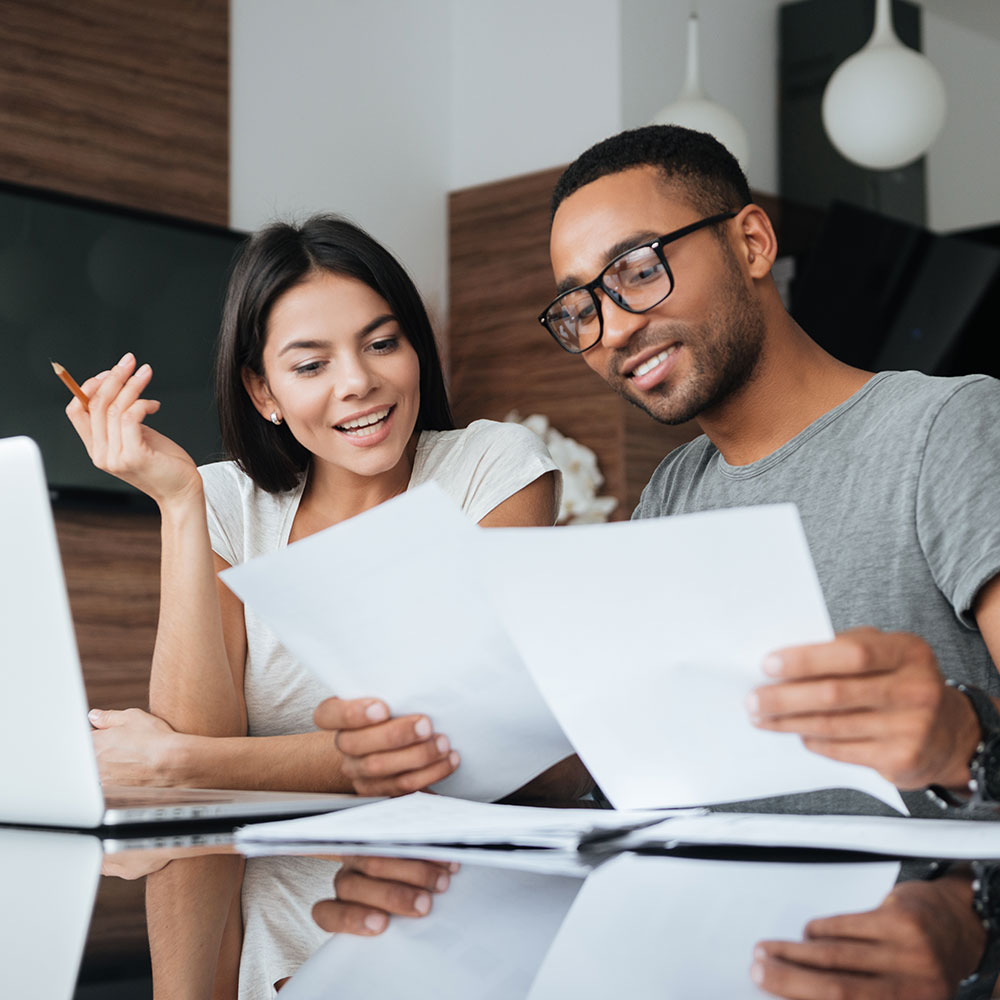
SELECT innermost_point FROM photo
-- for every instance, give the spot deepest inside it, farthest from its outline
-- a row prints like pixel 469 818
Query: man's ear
pixel 259 393
pixel 757 245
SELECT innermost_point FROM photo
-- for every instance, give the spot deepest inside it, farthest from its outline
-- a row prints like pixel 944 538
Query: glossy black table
pixel 511 924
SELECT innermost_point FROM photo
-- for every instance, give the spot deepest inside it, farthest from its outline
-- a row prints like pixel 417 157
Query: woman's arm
pixel 196 679
pixel 195 931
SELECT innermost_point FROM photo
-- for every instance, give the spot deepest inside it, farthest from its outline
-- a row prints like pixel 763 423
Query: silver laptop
pixel 48 771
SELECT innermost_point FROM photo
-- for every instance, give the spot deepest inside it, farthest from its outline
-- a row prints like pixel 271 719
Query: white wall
pixel 533 84
pixel 343 106
pixel 377 108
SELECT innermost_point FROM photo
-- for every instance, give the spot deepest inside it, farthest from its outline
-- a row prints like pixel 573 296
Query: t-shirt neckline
pixel 805 435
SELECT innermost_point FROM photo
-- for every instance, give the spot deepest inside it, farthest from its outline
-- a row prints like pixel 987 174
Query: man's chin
pixel 659 406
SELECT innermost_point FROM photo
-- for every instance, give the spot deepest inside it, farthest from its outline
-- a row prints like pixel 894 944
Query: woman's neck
pixel 333 494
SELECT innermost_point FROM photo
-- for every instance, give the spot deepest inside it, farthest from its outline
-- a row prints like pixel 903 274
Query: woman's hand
pixel 370 890
pixel 385 755
pixel 118 441
pixel 134 747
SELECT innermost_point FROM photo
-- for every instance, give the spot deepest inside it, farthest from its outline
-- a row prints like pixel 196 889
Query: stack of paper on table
pixel 423 819
pixel 643 639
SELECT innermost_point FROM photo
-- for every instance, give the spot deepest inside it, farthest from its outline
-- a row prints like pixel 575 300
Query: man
pixel 895 475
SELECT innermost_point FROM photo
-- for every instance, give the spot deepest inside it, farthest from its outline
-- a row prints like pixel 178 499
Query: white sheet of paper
pixel 895 836
pixel 422 818
pixel 645 638
pixel 385 605
pixel 681 928
pixel 485 938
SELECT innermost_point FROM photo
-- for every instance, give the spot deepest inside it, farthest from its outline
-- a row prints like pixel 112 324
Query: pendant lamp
pixel 694 109
pixel 884 105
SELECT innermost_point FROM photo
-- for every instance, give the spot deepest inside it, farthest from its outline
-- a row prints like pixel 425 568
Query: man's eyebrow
pixel 630 242
pixel 312 345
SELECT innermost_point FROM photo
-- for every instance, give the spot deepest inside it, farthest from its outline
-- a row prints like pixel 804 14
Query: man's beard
pixel 724 353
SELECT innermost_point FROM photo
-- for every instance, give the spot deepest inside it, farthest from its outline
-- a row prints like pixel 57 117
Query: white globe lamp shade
pixel 884 106
pixel 695 110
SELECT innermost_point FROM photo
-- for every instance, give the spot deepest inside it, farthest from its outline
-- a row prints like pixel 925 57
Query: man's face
pixel 697 347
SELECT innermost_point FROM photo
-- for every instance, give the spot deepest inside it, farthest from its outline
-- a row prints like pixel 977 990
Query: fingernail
pixel 376 712
pixel 422 904
pixel 442 744
pixel 442 883
pixel 453 758
pixel 759 954
pixel 753 703
pixel 376 922
pixel 454 866
pixel 94 714
pixel 101 376
pixel 143 370
pixel 124 359
pixel 757 973
pixel 423 728
pixel 772 665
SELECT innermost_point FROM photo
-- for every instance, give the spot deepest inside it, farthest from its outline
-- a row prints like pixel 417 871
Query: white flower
pixel 581 476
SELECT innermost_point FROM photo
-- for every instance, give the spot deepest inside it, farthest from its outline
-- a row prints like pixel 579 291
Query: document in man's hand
pixel 646 637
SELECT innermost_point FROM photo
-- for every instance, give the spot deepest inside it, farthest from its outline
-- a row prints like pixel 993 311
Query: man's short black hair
pixel 708 174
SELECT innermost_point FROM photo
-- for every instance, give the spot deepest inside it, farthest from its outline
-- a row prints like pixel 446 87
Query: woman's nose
pixel 354 378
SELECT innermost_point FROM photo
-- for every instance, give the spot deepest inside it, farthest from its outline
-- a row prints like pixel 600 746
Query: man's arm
pixel 878 699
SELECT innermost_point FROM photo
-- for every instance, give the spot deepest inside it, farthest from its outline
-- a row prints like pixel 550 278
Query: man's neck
pixel 795 383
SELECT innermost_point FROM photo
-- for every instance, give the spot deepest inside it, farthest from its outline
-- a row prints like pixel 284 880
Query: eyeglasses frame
pixel 590 287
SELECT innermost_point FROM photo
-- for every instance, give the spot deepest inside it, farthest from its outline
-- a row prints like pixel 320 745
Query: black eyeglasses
pixel 635 280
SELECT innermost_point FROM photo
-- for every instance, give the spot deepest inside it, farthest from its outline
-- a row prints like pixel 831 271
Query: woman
pixel 331 400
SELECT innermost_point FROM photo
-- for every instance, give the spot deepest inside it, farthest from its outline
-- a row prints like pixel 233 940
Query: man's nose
pixel 619 323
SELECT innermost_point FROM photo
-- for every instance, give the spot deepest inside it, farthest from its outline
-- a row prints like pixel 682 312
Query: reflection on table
pixel 539 925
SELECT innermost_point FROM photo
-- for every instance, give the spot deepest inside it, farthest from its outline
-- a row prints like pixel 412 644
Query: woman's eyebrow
pixel 312 345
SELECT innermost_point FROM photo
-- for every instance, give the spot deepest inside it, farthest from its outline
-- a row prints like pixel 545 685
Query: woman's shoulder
pixel 229 488
pixel 482 436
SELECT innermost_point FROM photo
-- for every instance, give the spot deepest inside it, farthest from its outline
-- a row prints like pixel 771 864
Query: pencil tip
pixel 56 367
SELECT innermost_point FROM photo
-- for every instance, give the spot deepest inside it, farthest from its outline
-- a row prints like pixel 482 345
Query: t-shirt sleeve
pixel 496 460
pixel 958 493
pixel 224 511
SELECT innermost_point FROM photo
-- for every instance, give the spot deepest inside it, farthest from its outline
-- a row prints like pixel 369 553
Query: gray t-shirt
pixel 899 493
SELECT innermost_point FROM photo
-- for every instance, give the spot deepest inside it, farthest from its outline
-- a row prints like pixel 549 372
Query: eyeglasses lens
pixel 636 281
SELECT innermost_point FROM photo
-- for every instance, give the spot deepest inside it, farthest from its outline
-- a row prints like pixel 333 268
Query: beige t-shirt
pixel 479 467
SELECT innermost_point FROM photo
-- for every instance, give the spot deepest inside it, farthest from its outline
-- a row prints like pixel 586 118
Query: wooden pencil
pixel 70 384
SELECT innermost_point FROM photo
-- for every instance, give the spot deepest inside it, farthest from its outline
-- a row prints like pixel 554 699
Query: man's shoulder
pixel 685 464
pixel 919 390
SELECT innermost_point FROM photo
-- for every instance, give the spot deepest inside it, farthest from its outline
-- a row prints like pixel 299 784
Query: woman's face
pixel 340 372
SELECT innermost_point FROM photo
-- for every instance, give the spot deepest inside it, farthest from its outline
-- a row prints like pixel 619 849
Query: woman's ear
pixel 756 241
pixel 259 393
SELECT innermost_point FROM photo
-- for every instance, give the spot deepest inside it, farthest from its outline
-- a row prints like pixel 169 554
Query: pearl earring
pixel 275 419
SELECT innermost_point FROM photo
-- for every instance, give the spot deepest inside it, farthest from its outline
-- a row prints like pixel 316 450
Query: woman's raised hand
pixel 119 442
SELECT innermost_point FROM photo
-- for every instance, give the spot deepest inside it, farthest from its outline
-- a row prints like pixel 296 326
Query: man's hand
pixel 873 698
pixel 385 755
pixel 920 943
pixel 370 890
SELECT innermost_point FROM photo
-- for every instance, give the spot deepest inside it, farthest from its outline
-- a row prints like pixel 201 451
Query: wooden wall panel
pixel 111 560
pixel 117 100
